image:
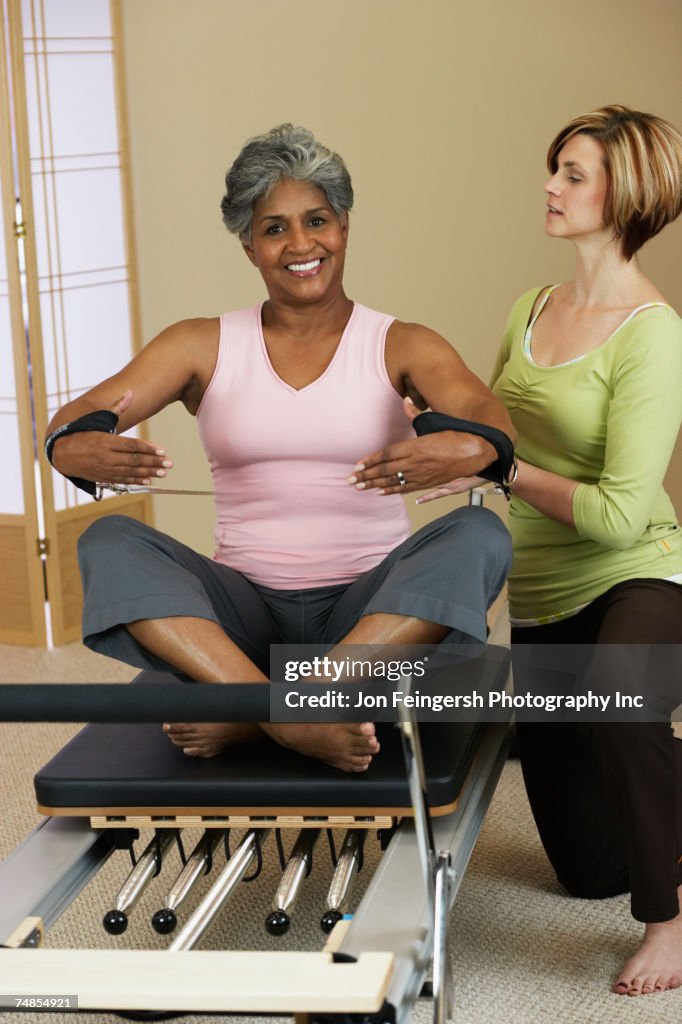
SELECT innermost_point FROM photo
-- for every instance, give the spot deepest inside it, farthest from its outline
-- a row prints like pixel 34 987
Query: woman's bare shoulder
pixel 202 330
pixel 402 333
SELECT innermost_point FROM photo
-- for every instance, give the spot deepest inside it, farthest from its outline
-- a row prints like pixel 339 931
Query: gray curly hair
pixel 286 152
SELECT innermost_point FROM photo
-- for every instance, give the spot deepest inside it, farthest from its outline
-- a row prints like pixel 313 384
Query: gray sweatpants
pixel 448 572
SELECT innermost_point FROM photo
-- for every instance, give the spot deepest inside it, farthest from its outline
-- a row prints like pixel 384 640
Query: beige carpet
pixel 522 952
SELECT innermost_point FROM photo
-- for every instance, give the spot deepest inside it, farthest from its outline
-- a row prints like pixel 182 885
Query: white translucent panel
pixel 83 278
pixel 82 162
pixel 90 220
pixel 78 221
pixel 70 312
pixel 45 223
pixel 71 104
pixel 98 333
pixel 66 17
pixel 11 491
pixel 86 338
pixel 37 107
pixel 41 47
pixel 54 361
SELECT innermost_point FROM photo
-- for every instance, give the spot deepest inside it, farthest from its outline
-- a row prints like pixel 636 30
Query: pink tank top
pixel 285 516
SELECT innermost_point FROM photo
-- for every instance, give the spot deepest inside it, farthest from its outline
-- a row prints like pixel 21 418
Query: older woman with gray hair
pixel 304 553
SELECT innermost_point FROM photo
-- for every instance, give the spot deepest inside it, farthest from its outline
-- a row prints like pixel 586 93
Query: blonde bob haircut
pixel 643 160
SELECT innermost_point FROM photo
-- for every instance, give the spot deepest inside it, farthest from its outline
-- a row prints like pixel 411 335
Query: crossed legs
pixel 155 603
pixel 202 651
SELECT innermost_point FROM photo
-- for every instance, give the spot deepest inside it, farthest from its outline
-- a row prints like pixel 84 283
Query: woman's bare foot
pixel 349 746
pixel 657 964
pixel 206 739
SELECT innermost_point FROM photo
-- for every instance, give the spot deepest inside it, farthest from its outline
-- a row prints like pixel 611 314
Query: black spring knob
pixel 164 921
pixel 278 923
pixel 329 920
pixel 115 922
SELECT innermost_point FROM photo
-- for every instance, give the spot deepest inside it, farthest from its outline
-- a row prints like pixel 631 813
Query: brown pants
pixel 607 796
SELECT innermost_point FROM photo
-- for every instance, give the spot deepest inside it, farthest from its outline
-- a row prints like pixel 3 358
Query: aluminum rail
pixel 436 864
pixel 45 873
pixel 394 912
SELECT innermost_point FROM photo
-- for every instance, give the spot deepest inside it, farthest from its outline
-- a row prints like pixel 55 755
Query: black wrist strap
pixel 102 420
pixel 503 471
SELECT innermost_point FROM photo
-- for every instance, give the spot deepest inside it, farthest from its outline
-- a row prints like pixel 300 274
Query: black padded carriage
pixel 135 769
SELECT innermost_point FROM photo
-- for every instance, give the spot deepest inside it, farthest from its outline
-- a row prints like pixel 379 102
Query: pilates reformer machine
pixel 425 797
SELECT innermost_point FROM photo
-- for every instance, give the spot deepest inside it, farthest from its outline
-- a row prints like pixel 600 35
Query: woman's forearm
pixel 71 411
pixel 548 492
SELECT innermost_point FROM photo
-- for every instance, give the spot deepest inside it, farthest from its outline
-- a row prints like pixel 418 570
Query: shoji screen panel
pixel 77 201
pixel 22 595
pixel 70 120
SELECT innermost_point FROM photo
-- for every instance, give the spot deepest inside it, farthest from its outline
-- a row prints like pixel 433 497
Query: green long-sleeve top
pixel 609 420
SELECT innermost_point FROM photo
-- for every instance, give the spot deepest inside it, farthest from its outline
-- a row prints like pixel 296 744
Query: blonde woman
pixel 591 373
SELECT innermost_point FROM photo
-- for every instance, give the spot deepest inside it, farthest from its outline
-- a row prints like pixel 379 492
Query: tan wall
pixel 442 110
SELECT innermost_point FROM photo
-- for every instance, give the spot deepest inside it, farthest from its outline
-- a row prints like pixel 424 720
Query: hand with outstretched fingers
pixel 426 461
pixel 98 456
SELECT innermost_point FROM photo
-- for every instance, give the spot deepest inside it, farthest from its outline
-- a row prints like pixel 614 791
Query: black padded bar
pixel 161 697
pixel 147 702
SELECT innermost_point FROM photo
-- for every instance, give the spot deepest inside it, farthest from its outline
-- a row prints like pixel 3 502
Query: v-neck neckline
pixel 328 367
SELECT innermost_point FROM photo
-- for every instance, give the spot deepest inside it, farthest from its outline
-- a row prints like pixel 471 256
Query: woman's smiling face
pixel 298 243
